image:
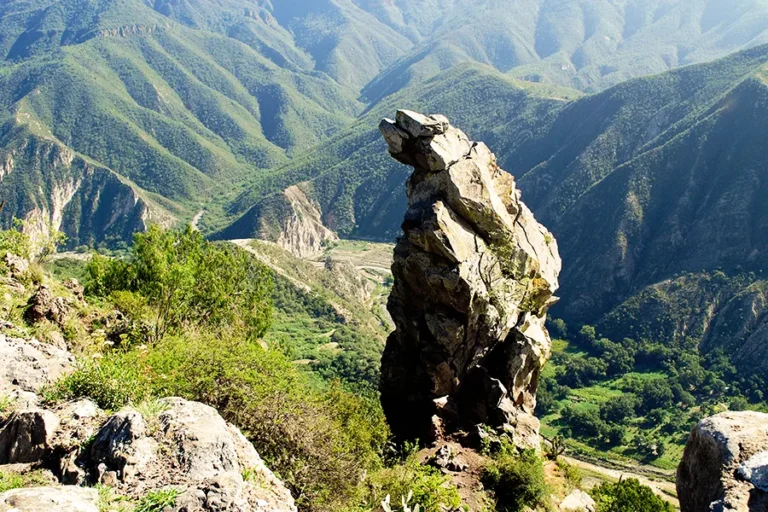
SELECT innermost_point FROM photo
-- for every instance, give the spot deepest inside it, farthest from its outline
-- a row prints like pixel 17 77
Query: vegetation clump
pixel 177 279
pixel 628 496
pixel 516 481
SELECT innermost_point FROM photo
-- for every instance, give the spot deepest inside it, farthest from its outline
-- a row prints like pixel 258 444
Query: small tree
pixel 188 280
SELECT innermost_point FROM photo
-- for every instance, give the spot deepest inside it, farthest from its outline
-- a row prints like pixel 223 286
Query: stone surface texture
pixel 474 276
pixel 725 464
pixel 50 499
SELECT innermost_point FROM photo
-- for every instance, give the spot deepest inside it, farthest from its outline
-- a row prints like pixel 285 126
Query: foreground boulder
pixel 27 436
pixel 28 365
pixel 187 446
pixel 50 499
pixel 474 277
pixel 725 464
pixel 578 501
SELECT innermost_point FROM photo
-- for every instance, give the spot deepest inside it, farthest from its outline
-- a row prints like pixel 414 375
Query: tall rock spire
pixel 474 276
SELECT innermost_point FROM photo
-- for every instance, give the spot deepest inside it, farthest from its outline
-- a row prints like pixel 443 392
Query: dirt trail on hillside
pixel 664 489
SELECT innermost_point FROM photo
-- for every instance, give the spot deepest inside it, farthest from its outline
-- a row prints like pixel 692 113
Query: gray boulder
pixel 44 305
pixel 725 464
pixel 28 365
pixel 17 266
pixel 190 447
pixel 27 436
pixel 474 276
pixel 122 447
pixel 50 499
pixel 578 501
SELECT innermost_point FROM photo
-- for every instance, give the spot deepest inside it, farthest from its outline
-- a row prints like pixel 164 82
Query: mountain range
pixel 119 113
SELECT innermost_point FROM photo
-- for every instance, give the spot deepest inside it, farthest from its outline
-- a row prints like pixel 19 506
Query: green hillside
pixel 214 103
pixel 360 188
pixel 177 111
pixel 648 180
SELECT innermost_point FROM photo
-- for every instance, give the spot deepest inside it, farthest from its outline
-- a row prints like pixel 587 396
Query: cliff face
pixel 474 277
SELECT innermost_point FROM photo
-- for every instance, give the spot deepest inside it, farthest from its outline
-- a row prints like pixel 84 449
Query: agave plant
pixel 405 502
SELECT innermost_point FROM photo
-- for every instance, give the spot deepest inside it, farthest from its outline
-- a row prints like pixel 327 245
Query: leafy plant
pixel 157 501
pixel 10 480
pixel 628 496
pixel 187 280
pixel 14 241
pixel 111 502
pixel 416 485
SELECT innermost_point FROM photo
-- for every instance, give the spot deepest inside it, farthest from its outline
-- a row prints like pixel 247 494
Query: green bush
pixel 189 281
pixel 517 482
pixel 15 242
pixel 572 474
pixel 628 496
pixel 115 381
pixel 426 486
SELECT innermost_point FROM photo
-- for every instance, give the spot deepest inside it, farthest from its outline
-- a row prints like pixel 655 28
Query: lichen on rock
pixel 474 277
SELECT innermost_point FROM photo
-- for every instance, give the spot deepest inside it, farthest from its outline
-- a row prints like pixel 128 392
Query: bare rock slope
pixel 474 276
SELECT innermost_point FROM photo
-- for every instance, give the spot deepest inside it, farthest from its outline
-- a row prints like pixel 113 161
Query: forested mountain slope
pixel 189 100
pixel 357 185
pixel 643 183
pixel 587 44
pixel 175 110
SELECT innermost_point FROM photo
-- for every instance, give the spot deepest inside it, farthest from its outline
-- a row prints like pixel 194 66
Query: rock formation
pixel 725 465
pixel 474 276
pixel 175 444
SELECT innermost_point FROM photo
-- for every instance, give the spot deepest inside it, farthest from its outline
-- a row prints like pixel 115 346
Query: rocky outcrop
pixel 50 499
pixel 302 231
pixel 725 465
pixel 52 188
pixel 44 305
pixel 28 365
pixel 474 276
pixel 190 448
pixel 175 443
pixel 578 501
pixel 27 436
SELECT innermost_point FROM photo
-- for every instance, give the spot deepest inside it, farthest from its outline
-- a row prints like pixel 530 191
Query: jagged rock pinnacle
pixel 474 276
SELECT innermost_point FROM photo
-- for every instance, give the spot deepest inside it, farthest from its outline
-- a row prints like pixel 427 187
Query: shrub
pixel 320 439
pixel 115 381
pixel 189 281
pixel 517 482
pixel 572 475
pixel 15 242
pixel 628 496
pixel 427 487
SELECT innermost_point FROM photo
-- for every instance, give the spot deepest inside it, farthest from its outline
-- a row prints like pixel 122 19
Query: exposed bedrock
pixel 474 276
